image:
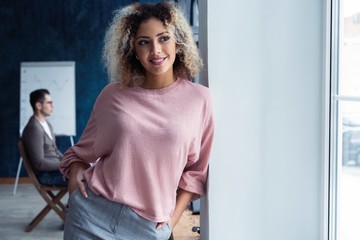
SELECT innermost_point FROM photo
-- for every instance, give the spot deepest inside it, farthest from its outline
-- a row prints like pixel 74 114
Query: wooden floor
pixel 16 211
pixel 183 230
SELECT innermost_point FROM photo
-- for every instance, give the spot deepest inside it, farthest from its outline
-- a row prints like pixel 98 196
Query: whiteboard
pixel 59 79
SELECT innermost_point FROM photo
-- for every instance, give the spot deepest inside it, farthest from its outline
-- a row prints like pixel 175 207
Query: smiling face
pixel 155 48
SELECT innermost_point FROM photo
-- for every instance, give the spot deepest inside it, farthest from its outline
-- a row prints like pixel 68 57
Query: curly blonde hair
pixel 119 55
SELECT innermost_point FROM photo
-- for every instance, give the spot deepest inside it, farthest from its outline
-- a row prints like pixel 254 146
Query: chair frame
pixel 51 194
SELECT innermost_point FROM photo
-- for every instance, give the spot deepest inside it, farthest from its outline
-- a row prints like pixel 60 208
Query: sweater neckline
pixel 159 91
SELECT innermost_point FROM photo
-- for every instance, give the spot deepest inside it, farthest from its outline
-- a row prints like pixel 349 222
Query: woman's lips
pixel 157 61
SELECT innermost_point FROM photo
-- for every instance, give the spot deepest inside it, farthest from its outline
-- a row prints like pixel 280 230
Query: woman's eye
pixel 164 38
pixel 142 42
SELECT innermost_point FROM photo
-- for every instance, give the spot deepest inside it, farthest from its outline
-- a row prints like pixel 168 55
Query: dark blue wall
pixel 56 30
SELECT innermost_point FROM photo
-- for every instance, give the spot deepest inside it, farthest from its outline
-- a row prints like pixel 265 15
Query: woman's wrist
pixel 76 169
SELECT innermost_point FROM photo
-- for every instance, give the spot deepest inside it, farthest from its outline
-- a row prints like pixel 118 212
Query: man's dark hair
pixel 38 96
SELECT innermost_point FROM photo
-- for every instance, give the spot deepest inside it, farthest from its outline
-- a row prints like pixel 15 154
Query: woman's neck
pixel 156 82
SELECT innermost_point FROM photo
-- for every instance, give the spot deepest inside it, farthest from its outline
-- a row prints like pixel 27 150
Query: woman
pixel 144 153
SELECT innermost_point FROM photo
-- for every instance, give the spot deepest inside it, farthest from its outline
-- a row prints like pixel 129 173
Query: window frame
pixel 332 99
pixel 333 71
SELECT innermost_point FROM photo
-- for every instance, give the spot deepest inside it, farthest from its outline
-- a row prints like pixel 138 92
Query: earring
pixel 137 57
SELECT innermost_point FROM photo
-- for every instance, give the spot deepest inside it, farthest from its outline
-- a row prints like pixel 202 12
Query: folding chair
pixel 52 199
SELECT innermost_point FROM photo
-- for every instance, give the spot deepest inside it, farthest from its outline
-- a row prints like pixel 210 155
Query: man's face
pixel 46 108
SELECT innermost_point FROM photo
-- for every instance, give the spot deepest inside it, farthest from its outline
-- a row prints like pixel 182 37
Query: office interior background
pixel 285 81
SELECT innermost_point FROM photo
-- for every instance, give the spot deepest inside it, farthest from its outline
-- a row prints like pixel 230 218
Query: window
pixel 344 211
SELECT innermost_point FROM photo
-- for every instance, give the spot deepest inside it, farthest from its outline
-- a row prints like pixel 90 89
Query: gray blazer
pixel 42 151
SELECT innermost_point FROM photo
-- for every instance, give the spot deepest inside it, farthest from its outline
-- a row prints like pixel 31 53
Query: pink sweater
pixel 150 142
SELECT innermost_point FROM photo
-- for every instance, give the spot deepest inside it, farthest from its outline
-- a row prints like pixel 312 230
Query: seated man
pixel 39 140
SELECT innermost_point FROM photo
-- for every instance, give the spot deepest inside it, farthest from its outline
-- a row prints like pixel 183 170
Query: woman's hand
pixel 182 201
pixel 162 224
pixel 76 178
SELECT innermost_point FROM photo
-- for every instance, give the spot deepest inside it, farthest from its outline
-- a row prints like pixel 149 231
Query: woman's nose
pixel 156 49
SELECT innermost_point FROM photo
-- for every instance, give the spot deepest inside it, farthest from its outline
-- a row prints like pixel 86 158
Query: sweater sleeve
pixel 83 150
pixel 195 174
pixel 33 139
